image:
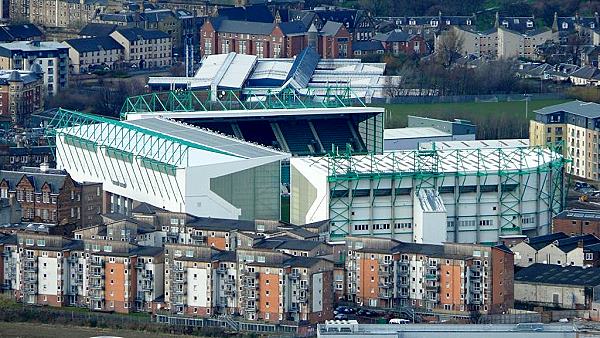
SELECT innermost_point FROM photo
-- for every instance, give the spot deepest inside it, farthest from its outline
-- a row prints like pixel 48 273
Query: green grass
pixel 493 119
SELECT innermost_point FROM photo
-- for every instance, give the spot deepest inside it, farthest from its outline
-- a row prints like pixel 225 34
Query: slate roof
pixel 158 15
pixel 225 256
pixel 19 32
pixel 367 46
pixel 568 244
pixel 585 109
pixel 244 27
pixel 558 275
pixel 539 242
pixel 579 214
pixel 432 250
pixel 145 208
pixel 517 23
pixel 303 262
pixel 222 224
pixel 331 28
pixel 347 17
pixel 94 44
pixel 135 34
pixel 286 244
pixel 587 72
pixel 392 36
pixel 118 17
pixel 98 29
pixel 152 251
pixel 56 181
pixel 257 13
pixel 293 27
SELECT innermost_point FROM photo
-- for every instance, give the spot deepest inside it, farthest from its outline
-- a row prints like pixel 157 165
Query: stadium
pixel 297 124
pixel 190 151
pixel 470 194
pixel 171 165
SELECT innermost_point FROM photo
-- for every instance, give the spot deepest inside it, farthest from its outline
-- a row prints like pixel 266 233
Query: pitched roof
pixel 585 109
pixel 293 27
pixel 346 17
pixel 559 275
pixel 367 45
pixel 98 29
pixel 19 32
pixel 158 15
pixel 568 244
pixel 286 244
pixel 244 27
pixel 590 73
pixel 539 242
pixel 37 179
pixel 98 43
pixel 331 28
pixel 393 36
pixel 257 13
pixel 135 34
pixel 580 214
pixel 303 262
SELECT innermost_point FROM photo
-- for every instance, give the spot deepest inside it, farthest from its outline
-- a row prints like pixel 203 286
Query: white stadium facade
pixel 473 193
pixel 170 165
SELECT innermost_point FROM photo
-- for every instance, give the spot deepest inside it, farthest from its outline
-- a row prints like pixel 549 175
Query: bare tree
pixel 449 48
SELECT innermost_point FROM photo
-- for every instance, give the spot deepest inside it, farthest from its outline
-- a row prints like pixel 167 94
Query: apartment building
pixel 513 44
pixel 53 57
pixel 63 13
pixel 87 54
pixel 144 48
pixel 573 127
pixel 22 93
pixel 480 44
pixel 335 41
pixel 189 279
pixel 452 277
pixel 51 196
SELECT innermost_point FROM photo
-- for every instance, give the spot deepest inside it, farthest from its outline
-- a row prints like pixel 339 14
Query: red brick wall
pixel 576 227
pixel 502 281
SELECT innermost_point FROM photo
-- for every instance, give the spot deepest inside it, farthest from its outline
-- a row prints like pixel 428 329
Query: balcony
pixel 95 263
pixel 384 271
pixel 294 307
pixel 476 301
pixel 252 295
pixel 96 274
pixel 385 285
pixel 303 297
pixel 403 272
pixel 431 276
pixel 140 265
pixel 295 275
pixel 432 287
pixel 96 296
pixel 6 286
pixel 229 281
pixel 475 267
pixel 30 268
pixel 30 259
pixel 222 270
pixel 432 298
pixel 403 262
pixel 476 290
pixel 250 307
pixel 403 295
pixel 385 262
pixel 250 285
pixel 385 295
pixel 147 275
pixel 178 268
pixel 30 291
pixel 72 259
pixel 178 291
pixel 147 287
pixel 96 286
pixel 230 292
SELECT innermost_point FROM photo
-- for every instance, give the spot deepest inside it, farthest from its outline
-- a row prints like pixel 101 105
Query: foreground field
pixel 494 119
pixel 34 330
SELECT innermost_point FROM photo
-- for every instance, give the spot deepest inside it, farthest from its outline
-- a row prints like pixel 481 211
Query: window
pixel 589 256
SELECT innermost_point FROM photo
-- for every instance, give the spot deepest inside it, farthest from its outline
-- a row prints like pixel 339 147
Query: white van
pixel 399 321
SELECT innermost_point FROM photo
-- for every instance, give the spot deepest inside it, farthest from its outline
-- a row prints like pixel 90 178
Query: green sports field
pixel 494 119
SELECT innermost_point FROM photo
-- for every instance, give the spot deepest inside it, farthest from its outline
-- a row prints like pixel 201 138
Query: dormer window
pixel 469 22
pixel 592 25
pixel 412 22
pixel 516 21
pixel 447 22
pixel 434 23
pixel 565 25
pixel 505 23
pixel 529 24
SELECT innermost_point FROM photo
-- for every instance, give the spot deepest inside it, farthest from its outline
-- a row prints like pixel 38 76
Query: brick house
pixel 51 196
pixel 399 42
pixel 577 222
pixel 335 41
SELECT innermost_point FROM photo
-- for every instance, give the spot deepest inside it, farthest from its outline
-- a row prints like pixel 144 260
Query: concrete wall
pixel 569 297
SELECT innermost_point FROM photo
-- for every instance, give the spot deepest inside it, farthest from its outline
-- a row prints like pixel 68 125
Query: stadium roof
pixel 416 132
pixel 580 214
pixel 474 160
pixel 477 144
pixel 206 138
pixel 157 142
pixel 266 113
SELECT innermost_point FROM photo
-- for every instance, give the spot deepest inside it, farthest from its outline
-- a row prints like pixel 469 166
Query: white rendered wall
pixel 197 287
pixel 317 292
pixel 48 276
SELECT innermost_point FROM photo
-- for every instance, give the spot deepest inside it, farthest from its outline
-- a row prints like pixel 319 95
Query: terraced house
pixel 51 196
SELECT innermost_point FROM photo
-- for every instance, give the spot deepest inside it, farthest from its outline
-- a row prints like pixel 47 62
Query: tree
pixel 449 48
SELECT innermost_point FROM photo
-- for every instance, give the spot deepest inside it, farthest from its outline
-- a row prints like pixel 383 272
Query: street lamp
pixel 527 98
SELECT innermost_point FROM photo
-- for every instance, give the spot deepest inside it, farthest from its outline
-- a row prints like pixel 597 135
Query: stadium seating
pixel 298 136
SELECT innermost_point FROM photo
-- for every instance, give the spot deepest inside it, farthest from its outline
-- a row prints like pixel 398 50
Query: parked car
pixel 341 316
pixel 399 321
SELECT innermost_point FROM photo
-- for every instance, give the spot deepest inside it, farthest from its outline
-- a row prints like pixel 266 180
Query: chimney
pixel 44 167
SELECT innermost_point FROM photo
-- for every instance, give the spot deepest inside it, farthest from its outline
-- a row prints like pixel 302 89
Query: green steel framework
pixel 123 140
pixel 223 100
pixel 343 176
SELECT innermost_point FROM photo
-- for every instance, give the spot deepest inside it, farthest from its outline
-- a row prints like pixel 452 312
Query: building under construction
pixel 472 194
